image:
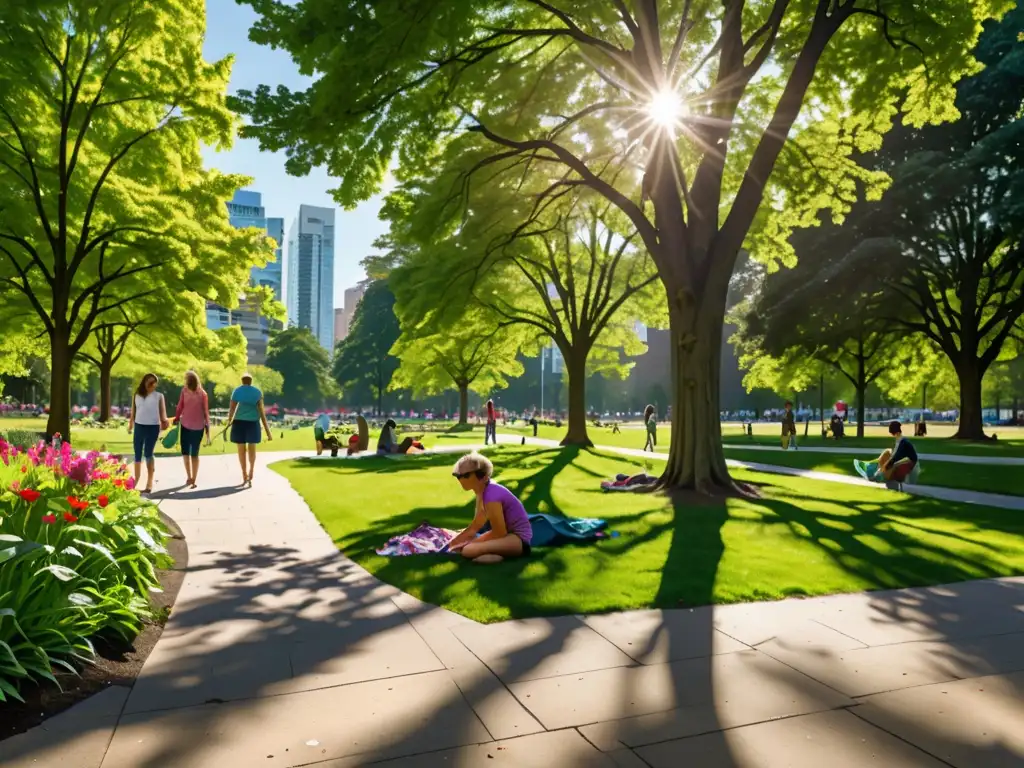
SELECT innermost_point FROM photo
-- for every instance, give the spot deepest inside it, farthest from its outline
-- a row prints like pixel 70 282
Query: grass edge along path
pixel 804 538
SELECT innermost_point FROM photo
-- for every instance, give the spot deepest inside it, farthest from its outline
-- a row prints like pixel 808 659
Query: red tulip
pixel 103 500
pixel 30 495
pixel 69 518
pixel 78 504
pixel 49 519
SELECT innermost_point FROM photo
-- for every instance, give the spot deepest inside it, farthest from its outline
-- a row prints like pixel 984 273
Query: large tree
pixel 948 236
pixel 676 111
pixel 363 363
pixel 104 105
pixel 570 272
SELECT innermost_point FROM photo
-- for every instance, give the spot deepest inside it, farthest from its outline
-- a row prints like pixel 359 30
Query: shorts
pixel 246 433
pixel 191 439
pixel 144 441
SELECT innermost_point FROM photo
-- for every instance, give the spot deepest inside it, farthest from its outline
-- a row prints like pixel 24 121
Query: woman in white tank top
pixel 148 418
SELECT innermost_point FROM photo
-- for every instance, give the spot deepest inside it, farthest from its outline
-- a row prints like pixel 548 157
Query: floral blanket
pixel 425 539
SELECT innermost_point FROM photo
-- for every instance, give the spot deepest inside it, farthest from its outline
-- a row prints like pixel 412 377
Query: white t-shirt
pixel 147 409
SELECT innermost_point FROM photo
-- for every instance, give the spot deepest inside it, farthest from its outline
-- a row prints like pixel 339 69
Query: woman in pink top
pixel 193 416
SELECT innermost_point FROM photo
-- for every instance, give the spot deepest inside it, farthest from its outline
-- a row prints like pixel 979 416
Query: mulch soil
pixel 117 662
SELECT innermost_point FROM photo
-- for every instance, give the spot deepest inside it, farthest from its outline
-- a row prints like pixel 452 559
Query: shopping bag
pixel 171 438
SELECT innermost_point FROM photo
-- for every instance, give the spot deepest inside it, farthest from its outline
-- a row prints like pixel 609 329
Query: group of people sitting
pixel 387 442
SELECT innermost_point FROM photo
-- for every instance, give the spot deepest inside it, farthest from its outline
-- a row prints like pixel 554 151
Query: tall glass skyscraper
pixel 309 275
pixel 246 210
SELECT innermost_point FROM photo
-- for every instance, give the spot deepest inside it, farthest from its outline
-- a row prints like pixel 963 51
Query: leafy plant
pixel 79 549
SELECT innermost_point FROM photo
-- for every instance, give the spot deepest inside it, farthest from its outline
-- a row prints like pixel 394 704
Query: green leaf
pixel 6 689
pixel 61 572
pixel 103 550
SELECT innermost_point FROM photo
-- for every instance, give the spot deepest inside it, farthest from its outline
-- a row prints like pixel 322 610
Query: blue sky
pixel 228 33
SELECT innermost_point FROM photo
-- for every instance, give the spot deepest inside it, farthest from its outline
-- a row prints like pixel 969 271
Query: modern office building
pixel 344 316
pixel 245 210
pixel 309 276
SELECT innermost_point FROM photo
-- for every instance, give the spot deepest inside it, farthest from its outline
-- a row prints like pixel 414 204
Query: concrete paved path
pixel 282 652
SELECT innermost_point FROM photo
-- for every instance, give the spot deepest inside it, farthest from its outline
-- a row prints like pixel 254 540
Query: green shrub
pixel 79 550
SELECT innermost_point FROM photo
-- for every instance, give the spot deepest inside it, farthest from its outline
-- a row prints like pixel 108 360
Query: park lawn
pixel 119 442
pixel 986 478
pixel 1010 442
pixel 803 537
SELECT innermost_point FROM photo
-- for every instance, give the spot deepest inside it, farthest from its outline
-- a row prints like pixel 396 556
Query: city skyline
pixel 228 27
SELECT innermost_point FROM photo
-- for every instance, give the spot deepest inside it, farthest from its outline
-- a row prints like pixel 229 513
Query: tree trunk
pixel 59 421
pixel 105 368
pixel 696 459
pixel 576 367
pixel 463 404
pixel 972 426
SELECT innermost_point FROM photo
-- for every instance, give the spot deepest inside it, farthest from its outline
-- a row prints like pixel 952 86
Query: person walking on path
pixel 651 423
pixel 788 428
pixel 244 416
pixel 491 428
pixel 148 417
pixel 193 417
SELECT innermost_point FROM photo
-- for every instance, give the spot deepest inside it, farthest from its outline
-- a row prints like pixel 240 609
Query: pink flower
pixel 129 483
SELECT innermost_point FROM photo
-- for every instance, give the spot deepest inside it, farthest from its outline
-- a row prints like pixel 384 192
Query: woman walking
pixel 193 417
pixel 651 423
pixel 244 416
pixel 148 416
pixel 491 428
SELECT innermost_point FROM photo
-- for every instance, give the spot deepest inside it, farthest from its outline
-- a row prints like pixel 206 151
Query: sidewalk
pixel 282 652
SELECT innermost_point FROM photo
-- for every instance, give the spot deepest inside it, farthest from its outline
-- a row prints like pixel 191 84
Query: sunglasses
pixel 463 475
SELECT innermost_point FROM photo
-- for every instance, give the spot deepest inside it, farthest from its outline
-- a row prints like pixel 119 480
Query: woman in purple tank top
pixel 510 532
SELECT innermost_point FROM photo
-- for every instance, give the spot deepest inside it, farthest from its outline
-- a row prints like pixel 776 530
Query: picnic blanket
pixel 548 531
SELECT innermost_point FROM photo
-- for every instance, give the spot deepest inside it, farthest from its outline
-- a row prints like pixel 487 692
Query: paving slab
pixel 654 637
pixel 76 738
pixel 536 648
pixel 702 686
pixel 974 723
pixel 376 720
pixel 565 749
pixel 834 739
pixel 863 671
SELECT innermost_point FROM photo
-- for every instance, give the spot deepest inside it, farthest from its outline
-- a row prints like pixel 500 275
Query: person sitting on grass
pixel 901 462
pixel 510 533
pixel 386 443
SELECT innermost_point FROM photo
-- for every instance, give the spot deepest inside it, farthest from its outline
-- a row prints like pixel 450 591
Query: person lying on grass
pixel 510 532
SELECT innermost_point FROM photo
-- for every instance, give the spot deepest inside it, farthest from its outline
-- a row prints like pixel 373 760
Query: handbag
pixel 171 438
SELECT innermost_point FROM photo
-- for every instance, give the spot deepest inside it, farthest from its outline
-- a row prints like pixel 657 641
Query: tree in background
pixel 296 354
pixel 570 273
pixel 104 106
pixel 363 364
pixel 474 353
pixel 675 112
pixel 811 311
pixel 948 237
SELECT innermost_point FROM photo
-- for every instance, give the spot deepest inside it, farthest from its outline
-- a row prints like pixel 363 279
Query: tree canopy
pixel 104 106
pixel 363 365
pixel 675 111
pixel 302 362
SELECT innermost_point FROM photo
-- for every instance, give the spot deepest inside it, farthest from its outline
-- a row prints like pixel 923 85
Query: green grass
pixel 285 438
pixel 803 538
pixel 986 478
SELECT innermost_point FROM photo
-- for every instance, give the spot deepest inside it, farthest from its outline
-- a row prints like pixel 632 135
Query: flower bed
pixel 78 553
